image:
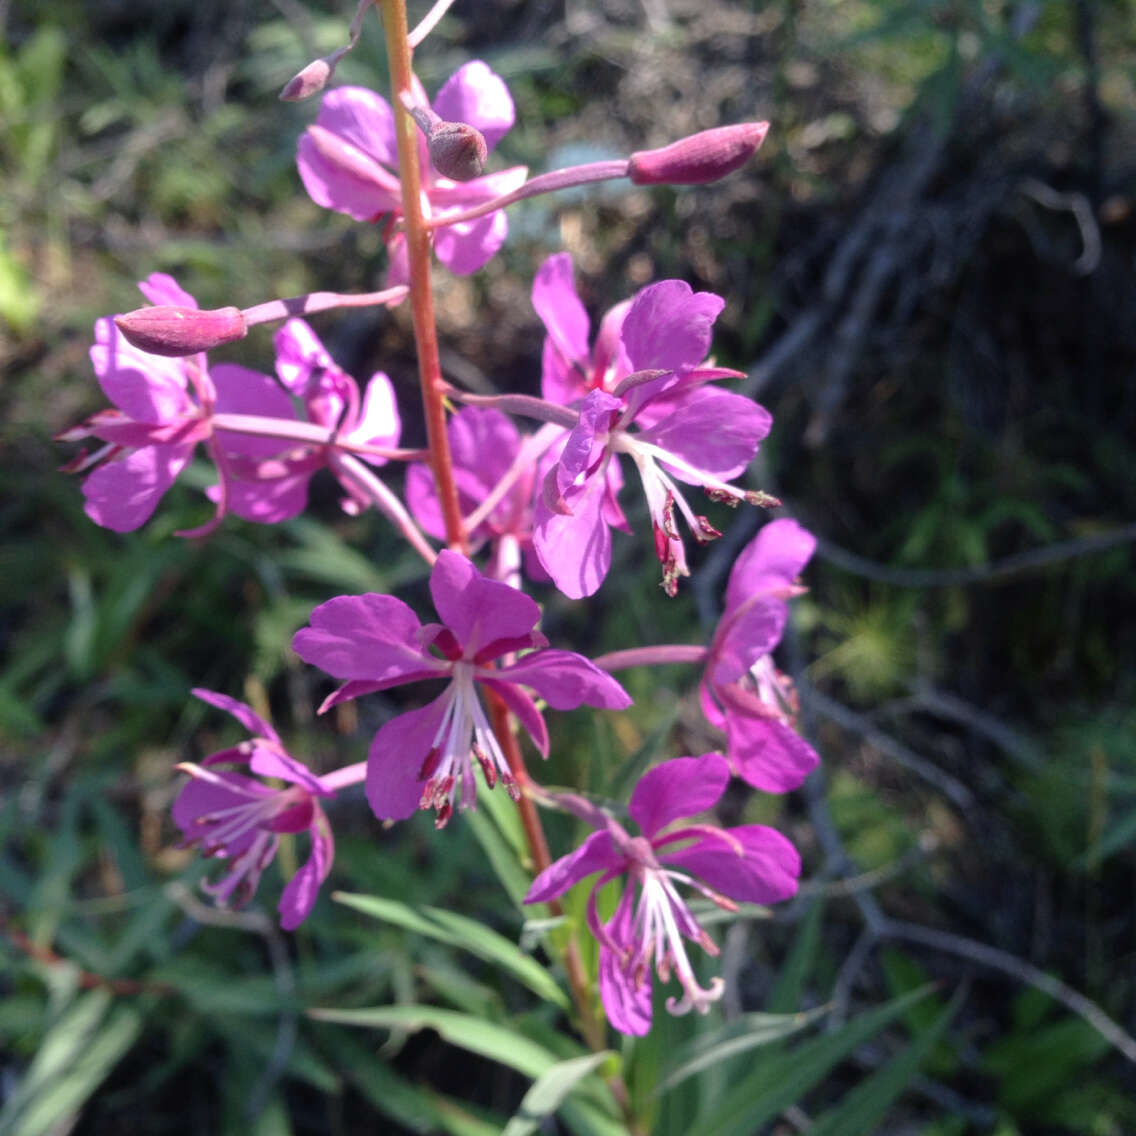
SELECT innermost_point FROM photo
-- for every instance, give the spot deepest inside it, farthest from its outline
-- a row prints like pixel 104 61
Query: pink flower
pixel 684 431
pixel 423 757
pixel 162 412
pixel 743 693
pixel 484 445
pixel 750 864
pixel 239 819
pixel 348 161
pixel 270 484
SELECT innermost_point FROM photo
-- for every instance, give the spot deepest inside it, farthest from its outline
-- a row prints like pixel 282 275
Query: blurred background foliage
pixel 930 276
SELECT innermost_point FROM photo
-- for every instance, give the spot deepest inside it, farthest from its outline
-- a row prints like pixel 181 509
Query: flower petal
pixel 363 637
pixel 712 430
pixel 681 787
pixel 556 302
pixel 302 890
pixel 767 754
pixel 122 495
pixel 242 391
pixel 397 752
pixel 363 118
pixel 478 610
pixel 160 288
pixel 566 680
pixel 668 326
pixel 596 854
pixel 525 710
pixel 339 176
pixel 772 560
pixel 378 423
pixel 626 1003
pixel 766 871
pixel 575 548
pixel 147 388
pixel 744 637
pixel 246 715
pixel 299 352
pixel 476 95
pixel 271 761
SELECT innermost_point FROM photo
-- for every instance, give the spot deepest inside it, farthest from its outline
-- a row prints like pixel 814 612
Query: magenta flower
pixel 743 693
pixel 270 483
pixel 348 161
pixel 423 757
pixel 749 864
pixel 684 431
pixel 240 819
pixel 484 445
pixel 162 409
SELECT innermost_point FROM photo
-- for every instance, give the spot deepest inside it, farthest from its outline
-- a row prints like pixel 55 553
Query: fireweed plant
pixel 633 400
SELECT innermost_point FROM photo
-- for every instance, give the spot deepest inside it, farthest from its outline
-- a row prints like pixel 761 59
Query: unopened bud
pixel 174 331
pixel 699 158
pixel 311 80
pixel 457 150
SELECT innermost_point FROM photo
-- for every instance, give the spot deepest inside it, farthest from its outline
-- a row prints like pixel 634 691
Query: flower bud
pixel 457 150
pixel 699 158
pixel 174 331
pixel 310 81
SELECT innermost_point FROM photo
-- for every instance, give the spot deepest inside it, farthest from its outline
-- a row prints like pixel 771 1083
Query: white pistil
pixel 657 932
pixel 464 733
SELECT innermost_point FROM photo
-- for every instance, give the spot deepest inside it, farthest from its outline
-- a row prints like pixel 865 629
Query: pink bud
pixel 310 81
pixel 457 150
pixel 699 158
pixel 173 331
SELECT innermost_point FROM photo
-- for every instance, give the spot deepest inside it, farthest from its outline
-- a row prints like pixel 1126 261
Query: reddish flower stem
pixel 538 848
pixel 418 254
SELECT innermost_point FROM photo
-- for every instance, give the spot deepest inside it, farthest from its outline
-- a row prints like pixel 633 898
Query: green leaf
pixel 549 1090
pixel 866 1105
pixel 746 1033
pixel 497 1042
pixel 782 1080
pixel 466 934
pixel 75 1057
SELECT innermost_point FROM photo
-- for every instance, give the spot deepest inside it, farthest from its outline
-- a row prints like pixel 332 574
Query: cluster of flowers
pixel 540 505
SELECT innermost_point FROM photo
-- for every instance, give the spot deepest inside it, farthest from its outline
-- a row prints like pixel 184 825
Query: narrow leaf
pixel 497 1042
pixel 548 1091
pixel 465 933
pixel 866 1105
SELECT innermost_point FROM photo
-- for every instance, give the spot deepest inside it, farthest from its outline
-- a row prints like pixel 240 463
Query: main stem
pixel 393 14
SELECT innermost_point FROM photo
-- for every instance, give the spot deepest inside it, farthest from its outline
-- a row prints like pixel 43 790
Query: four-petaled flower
pixel 750 864
pixel 269 484
pixel 743 693
pixel 348 161
pixel 684 430
pixel 240 819
pixel 424 757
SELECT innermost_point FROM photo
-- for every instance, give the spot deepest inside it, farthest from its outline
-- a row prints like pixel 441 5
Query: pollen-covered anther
pixel 487 765
pixel 721 497
pixel 511 786
pixel 705 532
pixel 762 499
pixel 670 527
